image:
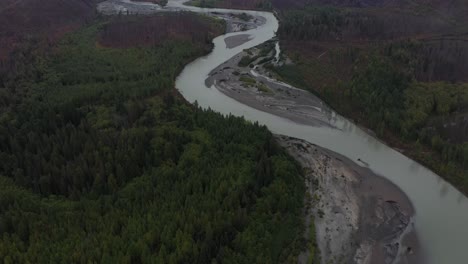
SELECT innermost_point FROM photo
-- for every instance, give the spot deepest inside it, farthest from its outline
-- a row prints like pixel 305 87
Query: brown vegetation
pixel 241 4
pixel 233 4
pixel 159 2
pixel 152 30
pixel 397 67
pixel 43 19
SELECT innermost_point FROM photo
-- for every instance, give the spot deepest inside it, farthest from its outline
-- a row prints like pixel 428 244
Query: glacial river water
pixel 441 218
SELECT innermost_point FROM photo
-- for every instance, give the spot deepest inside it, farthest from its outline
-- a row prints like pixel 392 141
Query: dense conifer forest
pixel 103 161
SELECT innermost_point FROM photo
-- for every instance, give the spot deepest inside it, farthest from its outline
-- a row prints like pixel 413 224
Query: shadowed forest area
pixel 103 161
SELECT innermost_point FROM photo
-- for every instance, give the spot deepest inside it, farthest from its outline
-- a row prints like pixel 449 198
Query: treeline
pixel 321 23
pixel 424 113
pixel 153 30
pixel 233 4
pixel 433 60
pixel 406 81
pixel 103 162
pixel 48 20
pixel 382 91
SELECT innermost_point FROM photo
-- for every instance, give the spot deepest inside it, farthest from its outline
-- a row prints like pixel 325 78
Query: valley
pixel 154 131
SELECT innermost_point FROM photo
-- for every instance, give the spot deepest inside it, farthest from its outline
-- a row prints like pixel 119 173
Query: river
pixel 441 210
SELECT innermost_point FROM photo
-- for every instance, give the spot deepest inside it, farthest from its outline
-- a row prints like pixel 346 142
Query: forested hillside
pixel 397 67
pixel 103 162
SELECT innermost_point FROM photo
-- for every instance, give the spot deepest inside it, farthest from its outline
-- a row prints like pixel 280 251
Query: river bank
pixel 440 210
pixel 359 216
pixel 235 22
pixel 251 87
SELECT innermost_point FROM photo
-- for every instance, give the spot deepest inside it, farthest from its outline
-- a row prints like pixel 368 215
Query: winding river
pixel 441 211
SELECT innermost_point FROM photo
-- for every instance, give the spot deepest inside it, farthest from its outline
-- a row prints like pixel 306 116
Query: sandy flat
pixel 237 40
pixel 364 219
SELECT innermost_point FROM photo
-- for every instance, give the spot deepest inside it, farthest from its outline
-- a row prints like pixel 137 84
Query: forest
pixel 104 162
pixel 402 72
pixel 233 4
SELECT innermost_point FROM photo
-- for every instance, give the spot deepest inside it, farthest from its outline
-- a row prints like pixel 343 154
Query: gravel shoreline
pixel 234 22
pixel 360 217
pixel 237 40
pixel 279 99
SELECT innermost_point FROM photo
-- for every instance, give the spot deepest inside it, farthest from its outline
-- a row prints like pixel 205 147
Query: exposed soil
pixel 359 217
pixel 237 40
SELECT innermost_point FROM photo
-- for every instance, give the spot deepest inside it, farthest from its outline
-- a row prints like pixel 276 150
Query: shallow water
pixel 441 211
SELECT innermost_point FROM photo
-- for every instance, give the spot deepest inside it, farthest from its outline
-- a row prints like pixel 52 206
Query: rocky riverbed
pixel 235 22
pixel 252 85
pixel 127 7
pixel 359 217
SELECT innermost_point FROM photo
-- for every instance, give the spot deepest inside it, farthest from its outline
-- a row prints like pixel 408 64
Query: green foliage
pixel 378 90
pixel 233 4
pixel 266 48
pixel 383 94
pixel 311 23
pixel 247 60
pixel 80 120
pixel 247 80
pixel 290 73
pixel 312 244
pixel 202 3
pixel 424 101
pixel 103 163
pixel 263 88
pixel 401 72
